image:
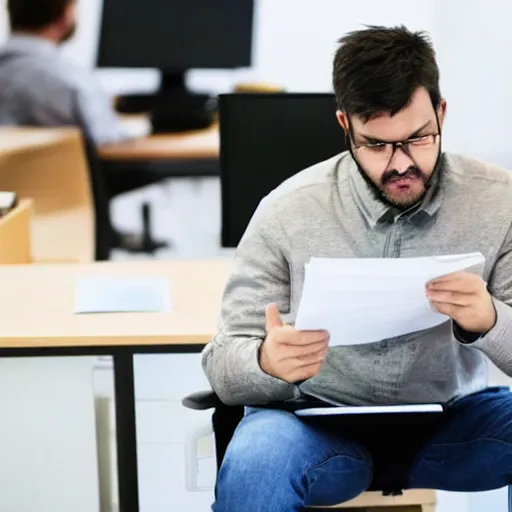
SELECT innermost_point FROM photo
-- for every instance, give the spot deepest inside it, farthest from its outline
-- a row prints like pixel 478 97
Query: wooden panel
pixel 15 234
pixel 410 508
pixel 49 166
pixel 376 499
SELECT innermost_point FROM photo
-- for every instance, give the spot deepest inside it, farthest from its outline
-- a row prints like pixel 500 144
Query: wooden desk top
pixel 17 138
pixel 194 145
pixel 37 303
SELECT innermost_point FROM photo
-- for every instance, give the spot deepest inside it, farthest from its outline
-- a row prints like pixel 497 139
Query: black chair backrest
pixel 264 140
pixel 102 222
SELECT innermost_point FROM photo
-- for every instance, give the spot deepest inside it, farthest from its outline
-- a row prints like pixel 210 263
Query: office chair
pixel 265 139
pixel 107 237
pixel 392 459
pixel 107 183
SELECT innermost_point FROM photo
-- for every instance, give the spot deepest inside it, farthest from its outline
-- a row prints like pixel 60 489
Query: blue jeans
pixel 277 462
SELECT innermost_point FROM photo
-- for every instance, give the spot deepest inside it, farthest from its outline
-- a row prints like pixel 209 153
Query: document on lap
pixel 365 300
pixel 373 409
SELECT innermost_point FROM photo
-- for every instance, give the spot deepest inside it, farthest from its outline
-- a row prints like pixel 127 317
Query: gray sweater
pixel 328 210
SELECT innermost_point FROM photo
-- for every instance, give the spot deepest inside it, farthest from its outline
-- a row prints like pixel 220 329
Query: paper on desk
pixel 109 294
pixel 372 299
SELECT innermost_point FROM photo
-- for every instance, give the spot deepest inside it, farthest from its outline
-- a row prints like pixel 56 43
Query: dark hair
pixel 35 14
pixel 379 68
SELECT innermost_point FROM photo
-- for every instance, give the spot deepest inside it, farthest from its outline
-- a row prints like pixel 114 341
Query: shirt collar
pixel 376 212
pixel 30 44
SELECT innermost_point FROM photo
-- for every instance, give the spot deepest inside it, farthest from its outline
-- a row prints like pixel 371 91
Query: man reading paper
pixel 395 194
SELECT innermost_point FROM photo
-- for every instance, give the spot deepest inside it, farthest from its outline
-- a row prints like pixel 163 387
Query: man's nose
pixel 400 161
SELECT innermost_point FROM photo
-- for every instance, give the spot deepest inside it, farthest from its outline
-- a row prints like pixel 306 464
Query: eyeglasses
pixel 382 152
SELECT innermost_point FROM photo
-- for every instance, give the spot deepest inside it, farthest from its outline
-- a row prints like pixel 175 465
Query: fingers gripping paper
pixel 372 299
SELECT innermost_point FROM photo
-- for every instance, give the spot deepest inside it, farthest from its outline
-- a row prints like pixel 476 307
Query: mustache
pixel 394 175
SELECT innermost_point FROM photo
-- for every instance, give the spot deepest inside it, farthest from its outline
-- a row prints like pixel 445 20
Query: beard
pixel 69 34
pixel 429 182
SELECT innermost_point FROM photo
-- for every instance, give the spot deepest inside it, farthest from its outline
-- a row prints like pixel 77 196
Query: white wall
pixel 295 40
pixel 293 47
pixel 474 39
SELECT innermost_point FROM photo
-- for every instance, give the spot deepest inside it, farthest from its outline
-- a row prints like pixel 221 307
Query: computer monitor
pixel 265 139
pixel 174 36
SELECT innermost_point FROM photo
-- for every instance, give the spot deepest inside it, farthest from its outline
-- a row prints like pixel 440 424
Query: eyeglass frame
pixel 402 144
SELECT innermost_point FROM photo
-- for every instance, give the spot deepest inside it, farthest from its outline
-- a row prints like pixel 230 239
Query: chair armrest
pixel 201 400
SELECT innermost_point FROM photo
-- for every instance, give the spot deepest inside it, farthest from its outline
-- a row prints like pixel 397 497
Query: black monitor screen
pixel 265 139
pixel 175 35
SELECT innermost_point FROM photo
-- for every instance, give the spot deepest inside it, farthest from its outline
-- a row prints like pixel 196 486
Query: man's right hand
pixel 289 354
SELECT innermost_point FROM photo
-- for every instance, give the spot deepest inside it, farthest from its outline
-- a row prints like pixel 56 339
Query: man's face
pixel 399 175
pixel 69 22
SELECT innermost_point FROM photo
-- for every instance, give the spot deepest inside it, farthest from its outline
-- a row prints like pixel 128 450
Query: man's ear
pixel 69 16
pixel 441 112
pixel 342 119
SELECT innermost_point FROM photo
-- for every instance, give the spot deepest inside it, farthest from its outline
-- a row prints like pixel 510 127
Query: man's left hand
pixel 465 299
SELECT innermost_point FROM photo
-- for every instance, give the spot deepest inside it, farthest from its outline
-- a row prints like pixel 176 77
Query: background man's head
pixel 53 19
pixel 386 83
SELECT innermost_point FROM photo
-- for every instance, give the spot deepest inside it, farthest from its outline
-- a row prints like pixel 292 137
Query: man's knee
pixel 277 443
pixel 274 449
pixel 485 415
pixel 264 439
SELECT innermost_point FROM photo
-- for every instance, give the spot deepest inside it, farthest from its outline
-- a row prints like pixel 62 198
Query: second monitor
pixel 174 36
pixel 266 139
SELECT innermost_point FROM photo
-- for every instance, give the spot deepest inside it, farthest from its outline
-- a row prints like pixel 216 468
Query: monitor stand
pixel 173 108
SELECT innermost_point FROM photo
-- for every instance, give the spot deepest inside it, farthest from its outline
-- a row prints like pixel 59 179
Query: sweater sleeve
pixel 497 343
pixel 260 275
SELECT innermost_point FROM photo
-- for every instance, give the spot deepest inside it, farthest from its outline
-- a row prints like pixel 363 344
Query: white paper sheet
pixel 108 294
pixel 368 300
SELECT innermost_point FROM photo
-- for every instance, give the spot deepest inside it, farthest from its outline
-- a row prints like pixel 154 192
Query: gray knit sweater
pixel 328 210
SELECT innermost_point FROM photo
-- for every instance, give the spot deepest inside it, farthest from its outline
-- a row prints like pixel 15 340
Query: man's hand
pixel 464 298
pixel 288 354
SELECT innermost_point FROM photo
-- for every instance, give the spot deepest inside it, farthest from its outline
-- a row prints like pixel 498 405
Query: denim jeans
pixel 277 462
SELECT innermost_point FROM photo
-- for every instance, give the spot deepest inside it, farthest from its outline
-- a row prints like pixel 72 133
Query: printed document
pixel 364 300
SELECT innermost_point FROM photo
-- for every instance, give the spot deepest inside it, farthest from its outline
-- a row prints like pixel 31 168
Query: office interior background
pixel 50 406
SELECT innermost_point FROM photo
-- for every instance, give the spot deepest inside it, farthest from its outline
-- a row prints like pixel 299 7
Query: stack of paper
pixel 372 299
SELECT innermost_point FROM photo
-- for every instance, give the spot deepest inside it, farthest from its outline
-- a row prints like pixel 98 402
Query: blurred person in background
pixel 38 86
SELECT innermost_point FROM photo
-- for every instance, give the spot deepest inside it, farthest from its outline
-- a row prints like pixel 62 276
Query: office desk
pixel 193 145
pixel 49 166
pixel 37 304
